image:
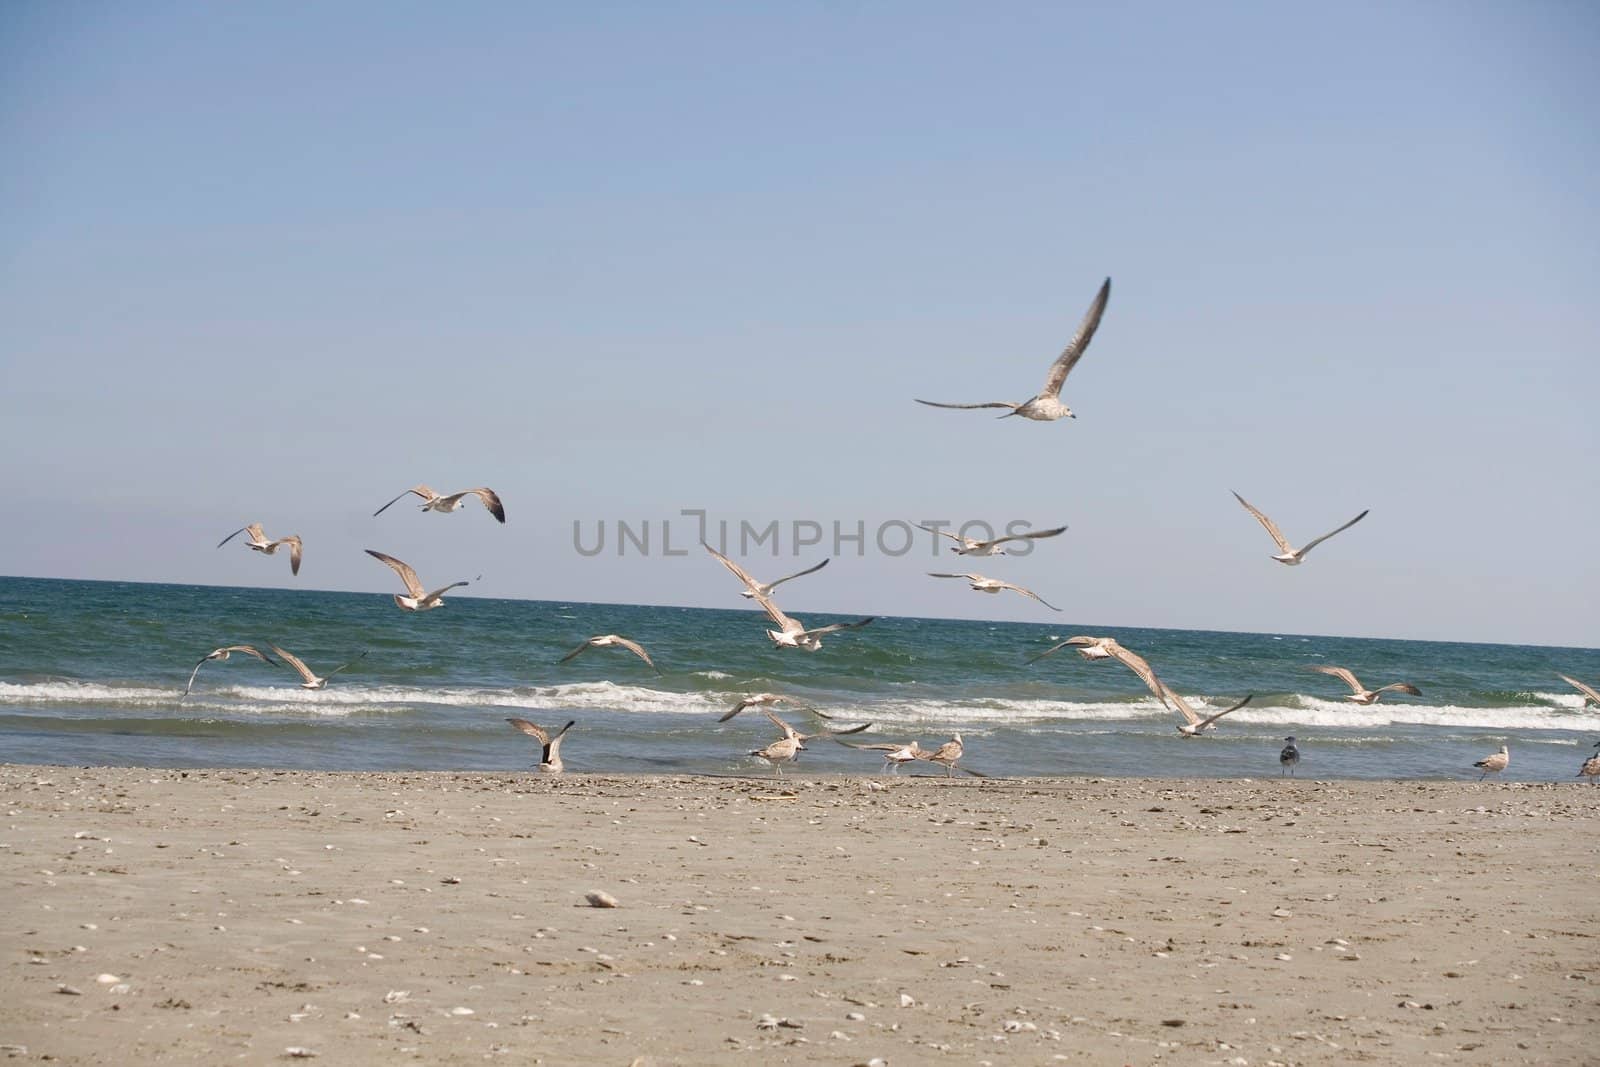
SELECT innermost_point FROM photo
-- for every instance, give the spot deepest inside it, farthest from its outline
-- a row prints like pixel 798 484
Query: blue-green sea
pixel 93 672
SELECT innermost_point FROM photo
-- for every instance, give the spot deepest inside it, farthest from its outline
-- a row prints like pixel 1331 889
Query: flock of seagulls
pixel 792 633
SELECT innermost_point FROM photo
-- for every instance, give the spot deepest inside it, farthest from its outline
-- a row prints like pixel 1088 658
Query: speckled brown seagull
pixel 310 680
pixel 1290 555
pixel 432 501
pixel 1589 692
pixel 222 654
pixel 968 546
pixel 1047 406
pixel 1591 767
pixel 1094 648
pixel 550 757
pixel 1359 693
pixel 981 584
pixel 258 541
pixel 1494 764
pixel 612 641
pixel 793 741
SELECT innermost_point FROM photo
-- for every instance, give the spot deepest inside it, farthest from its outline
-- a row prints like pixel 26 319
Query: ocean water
pixel 92 673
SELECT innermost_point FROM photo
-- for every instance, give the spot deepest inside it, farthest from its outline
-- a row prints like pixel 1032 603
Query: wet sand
pixel 160 916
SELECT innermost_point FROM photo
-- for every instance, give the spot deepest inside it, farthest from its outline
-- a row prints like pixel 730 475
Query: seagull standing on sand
pixel 432 501
pixel 311 681
pixel 967 546
pixel 613 641
pixel 258 541
pixel 418 599
pixel 223 654
pixel 982 584
pixel 1289 758
pixel 946 754
pixel 550 757
pixel 1591 767
pixel 1589 692
pixel 1494 764
pixel 1360 694
pixel 1289 554
pixel 1047 406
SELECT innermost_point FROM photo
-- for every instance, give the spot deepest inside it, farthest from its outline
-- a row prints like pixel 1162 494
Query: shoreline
pixel 441 917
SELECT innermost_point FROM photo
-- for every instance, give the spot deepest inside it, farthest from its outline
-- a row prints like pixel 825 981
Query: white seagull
pixel 895 754
pixel 613 641
pixel 1360 694
pixel 432 501
pixel 1290 555
pixel 982 584
pixel 223 654
pixel 791 632
pixel 550 758
pixel 1494 764
pixel 1589 692
pixel 258 541
pixel 1094 648
pixel 418 599
pixel 1047 406
pixel 311 681
pixel 752 588
pixel 763 700
pixel 968 546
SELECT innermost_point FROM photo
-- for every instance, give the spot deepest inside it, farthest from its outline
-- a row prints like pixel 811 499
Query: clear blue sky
pixel 278 263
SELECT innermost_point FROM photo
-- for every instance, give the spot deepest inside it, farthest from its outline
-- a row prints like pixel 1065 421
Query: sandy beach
pixel 261 916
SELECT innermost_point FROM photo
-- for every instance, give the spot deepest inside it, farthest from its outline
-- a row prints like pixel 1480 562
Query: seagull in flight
pixel 1589 692
pixel 752 588
pixel 550 758
pixel 967 546
pixel 432 501
pixel 1290 555
pixel 311 680
pixel 995 585
pixel 1093 648
pixel 1193 724
pixel 763 700
pixel 612 641
pixel 258 541
pixel 791 632
pixel 1360 694
pixel 894 754
pixel 1047 406
pixel 222 654
pixel 418 599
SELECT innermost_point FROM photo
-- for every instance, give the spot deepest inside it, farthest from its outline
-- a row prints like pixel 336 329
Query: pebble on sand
pixel 599 898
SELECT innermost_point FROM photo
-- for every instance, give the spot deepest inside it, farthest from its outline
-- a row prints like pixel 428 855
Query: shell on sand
pixel 599 898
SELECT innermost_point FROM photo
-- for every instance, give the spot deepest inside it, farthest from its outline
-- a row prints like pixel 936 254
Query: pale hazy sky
pixel 277 263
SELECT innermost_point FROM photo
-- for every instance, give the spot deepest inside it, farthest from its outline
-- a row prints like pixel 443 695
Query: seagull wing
pixel 1344 674
pixel 756 589
pixel 407 575
pixel 835 627
pixel 836 734
pixel 990 404
pixel 192 673
pixel 1179 703
pixel 1075 348
pixel 231 536
pixel 294 661
pixel 352 663
pixel 491 501
pixel 445 589
pixel 1203 723
pixel 638 650
pixel 785 623
pixel 1135 663
pixel 968 577
pixel 420 490
pixel 1401 687
pixel 586 645
pixel 1309 545
pixel 788 731
pixel 1272 527
pixel 1029 593
pixel 1588 692
pixel 1026 536
pixel 293 541
pixel 957 538
pixel 535 732
pixel 799 574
